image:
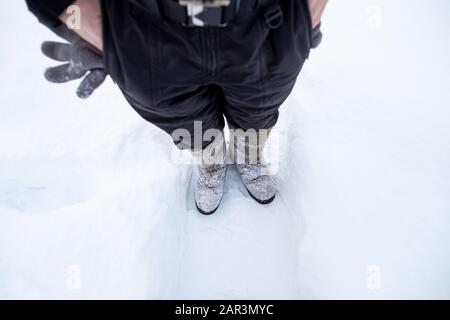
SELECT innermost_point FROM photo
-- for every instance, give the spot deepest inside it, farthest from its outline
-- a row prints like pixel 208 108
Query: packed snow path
pixel 92 204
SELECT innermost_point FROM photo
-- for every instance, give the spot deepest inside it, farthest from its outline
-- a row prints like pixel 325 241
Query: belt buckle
pixel 205 13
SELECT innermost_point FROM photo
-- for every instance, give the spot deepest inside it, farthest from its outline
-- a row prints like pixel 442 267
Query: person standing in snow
pixel 185 65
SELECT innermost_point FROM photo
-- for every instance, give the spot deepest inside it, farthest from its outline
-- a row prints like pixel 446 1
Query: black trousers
pixel 174 75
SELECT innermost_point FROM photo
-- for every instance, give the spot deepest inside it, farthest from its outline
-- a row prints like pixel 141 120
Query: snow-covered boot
pixel 210 175
pixel 247 153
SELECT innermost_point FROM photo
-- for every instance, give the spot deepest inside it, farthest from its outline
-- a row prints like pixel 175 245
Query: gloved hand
pixel 82 58
pixel 316 37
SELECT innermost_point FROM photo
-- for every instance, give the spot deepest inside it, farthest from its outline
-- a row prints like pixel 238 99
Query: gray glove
pixel 82 58
pixel 317 37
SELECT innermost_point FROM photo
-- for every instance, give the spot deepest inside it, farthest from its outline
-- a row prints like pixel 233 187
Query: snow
pixel 93 206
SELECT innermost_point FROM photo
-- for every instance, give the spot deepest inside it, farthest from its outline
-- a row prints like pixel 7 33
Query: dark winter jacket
pixel 175 76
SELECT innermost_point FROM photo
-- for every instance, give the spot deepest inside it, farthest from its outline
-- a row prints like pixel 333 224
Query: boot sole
pixel 206 213
pixel 263 202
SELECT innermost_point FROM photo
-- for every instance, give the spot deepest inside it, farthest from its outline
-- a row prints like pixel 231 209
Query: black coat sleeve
pixel 48 11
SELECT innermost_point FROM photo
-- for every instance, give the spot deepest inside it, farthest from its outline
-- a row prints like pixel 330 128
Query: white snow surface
pixel 92 205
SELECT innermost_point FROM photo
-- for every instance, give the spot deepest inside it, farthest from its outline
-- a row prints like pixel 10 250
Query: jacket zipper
pixel 212 36
pixel 209 52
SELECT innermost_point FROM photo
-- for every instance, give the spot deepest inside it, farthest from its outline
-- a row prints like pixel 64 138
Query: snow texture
pixel 93 206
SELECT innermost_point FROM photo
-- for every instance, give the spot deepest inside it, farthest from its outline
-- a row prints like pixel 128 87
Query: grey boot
pixel 247 153
pixel 210 176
